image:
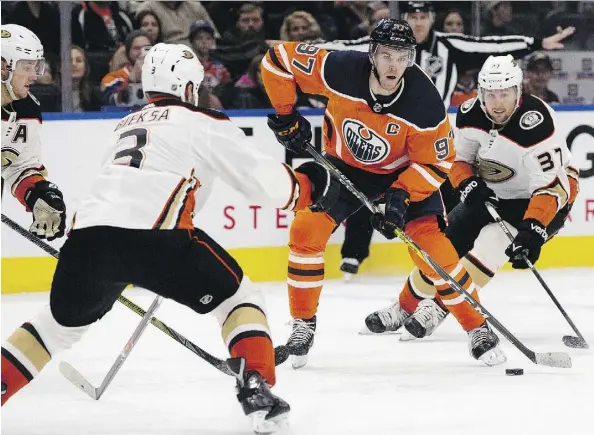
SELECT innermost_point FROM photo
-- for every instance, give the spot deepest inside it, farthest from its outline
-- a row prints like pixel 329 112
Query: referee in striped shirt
pixel 444 56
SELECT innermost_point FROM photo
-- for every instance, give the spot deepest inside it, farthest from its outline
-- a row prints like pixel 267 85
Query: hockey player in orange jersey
pixel 386 129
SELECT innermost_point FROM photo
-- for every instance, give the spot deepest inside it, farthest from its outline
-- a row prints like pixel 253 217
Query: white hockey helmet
pixel 19 43
pixel 168 68
pixel 500 72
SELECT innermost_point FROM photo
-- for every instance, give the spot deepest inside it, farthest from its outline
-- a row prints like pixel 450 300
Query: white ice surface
pixel 353 384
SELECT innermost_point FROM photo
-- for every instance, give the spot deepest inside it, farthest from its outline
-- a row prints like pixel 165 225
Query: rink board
pixel 74 147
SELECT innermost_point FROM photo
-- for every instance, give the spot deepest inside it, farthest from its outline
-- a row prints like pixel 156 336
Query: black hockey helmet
pixel 418 7
pixel 393 33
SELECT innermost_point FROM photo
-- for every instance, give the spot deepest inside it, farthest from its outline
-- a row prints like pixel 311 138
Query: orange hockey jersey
pixel 412 130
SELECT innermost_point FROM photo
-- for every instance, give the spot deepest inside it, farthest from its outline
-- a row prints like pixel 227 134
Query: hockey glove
pixel 474 191
pixel 293 131
pixel 529 240
pixel 325 189
pixel 397 201
pixel 45 201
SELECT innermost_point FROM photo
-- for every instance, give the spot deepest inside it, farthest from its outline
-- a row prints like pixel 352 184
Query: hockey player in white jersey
pixel 135 226
pixel 22 170
pixel 508 152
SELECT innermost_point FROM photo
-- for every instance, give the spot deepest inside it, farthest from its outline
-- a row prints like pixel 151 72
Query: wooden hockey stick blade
pixel 553 359
pixel 78 380
pixel 575 342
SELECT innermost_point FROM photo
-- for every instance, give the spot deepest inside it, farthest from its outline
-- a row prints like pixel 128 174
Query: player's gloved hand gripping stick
pixel 552 359
pixel 568 340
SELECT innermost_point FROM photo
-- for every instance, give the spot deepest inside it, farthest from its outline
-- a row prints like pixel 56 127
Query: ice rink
pixel 353 384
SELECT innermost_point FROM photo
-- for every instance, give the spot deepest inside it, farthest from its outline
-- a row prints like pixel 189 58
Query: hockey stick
pixel 281 353
pixel 568 340
pixel 552 359
pixel 81 382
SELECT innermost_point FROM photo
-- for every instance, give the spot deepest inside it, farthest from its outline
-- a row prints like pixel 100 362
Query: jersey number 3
pixel 131 156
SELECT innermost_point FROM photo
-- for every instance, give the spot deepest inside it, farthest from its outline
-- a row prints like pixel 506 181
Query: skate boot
pixel 350 267
pixel 483 345
pixel 301 340
pixel 267 411
pixel 385 320
pixel 423 322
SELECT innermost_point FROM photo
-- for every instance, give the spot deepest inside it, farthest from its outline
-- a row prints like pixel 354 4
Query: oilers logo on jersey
pixel 365 144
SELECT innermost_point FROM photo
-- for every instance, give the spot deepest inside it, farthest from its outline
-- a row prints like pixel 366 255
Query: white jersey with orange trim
pixel 21 146
pixel 161 155
pixel 527 158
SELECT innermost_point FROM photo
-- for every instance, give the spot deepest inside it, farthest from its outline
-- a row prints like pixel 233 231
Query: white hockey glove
pixel 49 211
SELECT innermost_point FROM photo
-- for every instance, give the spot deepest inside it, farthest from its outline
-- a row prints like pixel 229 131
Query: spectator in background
pixel 99 26
pixel 453 22
pixel 149 23
pixel 43 19
pixel 539 71
pixel 248 27
pixel 116 86
pixel 176 18
pixel 240 44
pixel 248 92
pixel 83 97
pixel 499 17
pixel 300 26
pixel 351 19
pixel 215 73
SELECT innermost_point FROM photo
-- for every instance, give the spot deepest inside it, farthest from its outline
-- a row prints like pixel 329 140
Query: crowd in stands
pixel 110 40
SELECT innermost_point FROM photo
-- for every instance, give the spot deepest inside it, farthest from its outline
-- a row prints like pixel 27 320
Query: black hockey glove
pixel 474 191
pixel 325 189
pixel 293 131
pixel 45 201
pixel 529 240
pixel 397 201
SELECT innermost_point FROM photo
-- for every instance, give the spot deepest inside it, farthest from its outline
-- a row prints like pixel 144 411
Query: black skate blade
pixel 575 342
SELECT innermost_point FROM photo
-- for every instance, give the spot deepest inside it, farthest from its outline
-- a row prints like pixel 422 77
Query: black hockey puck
pixel 514 372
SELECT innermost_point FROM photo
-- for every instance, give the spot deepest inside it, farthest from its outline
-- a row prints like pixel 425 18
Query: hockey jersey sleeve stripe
pixel 546 202
pixel 431 179
pixel 460 172
pixel 573 176
pixel 276 61
pixel 440 173
pixel 274 70
pixel 165 216
pixel 184 217
pixel 25 184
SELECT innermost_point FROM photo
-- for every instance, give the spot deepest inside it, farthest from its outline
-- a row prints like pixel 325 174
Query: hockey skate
pixel 385 320
pixel 267 411
pixel 350 267
pixel 483 345
pixel 424 321
pixel 301 340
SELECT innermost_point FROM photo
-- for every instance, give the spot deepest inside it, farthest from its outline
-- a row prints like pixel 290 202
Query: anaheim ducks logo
pixel 9 155
pixel 5 34
pixel 494 172
pixel 364 144
pixel 187 54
